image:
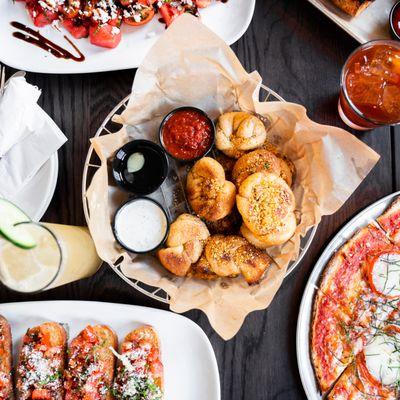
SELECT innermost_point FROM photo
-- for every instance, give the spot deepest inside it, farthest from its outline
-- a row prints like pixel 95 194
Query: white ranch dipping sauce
pixel 140 225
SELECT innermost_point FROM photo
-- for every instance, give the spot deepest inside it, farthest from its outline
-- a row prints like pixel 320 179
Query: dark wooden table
pixel 299 53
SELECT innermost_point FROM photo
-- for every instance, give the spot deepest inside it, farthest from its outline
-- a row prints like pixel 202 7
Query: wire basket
pixel 91 165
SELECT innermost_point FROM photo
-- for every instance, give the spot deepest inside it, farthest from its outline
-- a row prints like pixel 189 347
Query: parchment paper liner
pixel 190 65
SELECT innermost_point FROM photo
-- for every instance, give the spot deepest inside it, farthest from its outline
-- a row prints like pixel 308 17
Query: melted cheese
pixel 386 275
pixel 382 356
pixel 124 360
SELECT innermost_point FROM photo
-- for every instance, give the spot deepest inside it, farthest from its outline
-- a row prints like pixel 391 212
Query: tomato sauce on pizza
pixel 356 307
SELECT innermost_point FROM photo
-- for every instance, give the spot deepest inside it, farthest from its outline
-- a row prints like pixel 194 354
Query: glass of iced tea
pixel 370 86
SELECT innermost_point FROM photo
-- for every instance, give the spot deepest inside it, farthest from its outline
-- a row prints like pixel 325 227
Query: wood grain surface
pixel 299 53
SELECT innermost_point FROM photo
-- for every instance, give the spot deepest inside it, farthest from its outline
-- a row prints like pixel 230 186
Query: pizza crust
pixel 390 221
pixel 355 383
pixel 336 301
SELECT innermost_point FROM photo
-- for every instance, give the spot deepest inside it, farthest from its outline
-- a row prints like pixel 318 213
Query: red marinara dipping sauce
pixel 187 134
pixel 396 19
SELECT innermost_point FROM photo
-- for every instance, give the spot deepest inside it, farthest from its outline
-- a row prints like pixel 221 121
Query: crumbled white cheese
pixel 101 16
pixel 105 11
pixel 51 5
pixel 115 30
pixel 37 369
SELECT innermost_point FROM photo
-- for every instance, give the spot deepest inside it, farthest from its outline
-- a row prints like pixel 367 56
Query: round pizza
pixel 355 331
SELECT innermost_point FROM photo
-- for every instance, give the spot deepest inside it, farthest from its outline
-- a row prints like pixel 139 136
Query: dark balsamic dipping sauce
pixel 148 178
pixel 37 39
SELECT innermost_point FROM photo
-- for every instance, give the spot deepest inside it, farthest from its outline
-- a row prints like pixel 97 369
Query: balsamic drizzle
pixel 37 39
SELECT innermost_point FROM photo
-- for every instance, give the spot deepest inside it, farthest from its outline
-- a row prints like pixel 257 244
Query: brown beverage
pixel 370 86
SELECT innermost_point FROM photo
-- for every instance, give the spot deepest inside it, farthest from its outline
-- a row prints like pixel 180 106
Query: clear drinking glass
pixel 370 86
pixel 62 254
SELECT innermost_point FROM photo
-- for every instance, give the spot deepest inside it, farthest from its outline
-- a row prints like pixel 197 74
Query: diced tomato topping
pixel 45 339
pixel 41 394
pixel 89 335
pixel 169 13
pixel 156 367
pixel 77 29
pixel 105 36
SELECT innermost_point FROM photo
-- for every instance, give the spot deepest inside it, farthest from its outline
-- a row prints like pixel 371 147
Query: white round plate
pixel 35 197
pixel 229 20
pixel 304 320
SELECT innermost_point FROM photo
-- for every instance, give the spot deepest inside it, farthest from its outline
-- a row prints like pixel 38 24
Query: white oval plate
pixel 190 367
pixel 304 320
pixel 229 20
pixel 35 197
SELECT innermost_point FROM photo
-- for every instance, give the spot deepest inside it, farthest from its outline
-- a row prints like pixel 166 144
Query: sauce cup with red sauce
pixel 394 20
pixel 187 134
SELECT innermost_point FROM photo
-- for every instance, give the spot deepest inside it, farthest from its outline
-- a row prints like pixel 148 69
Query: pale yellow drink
pixel 79 256
pixel 63 254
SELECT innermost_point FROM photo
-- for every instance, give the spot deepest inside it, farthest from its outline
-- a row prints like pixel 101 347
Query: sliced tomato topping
pixel 105 36
pixel 392 329
pixel 378 274
pixel 140 17
pixel 364 371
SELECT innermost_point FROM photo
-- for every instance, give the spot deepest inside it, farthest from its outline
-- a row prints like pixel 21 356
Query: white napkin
pixel 30 135
pixel 17 112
